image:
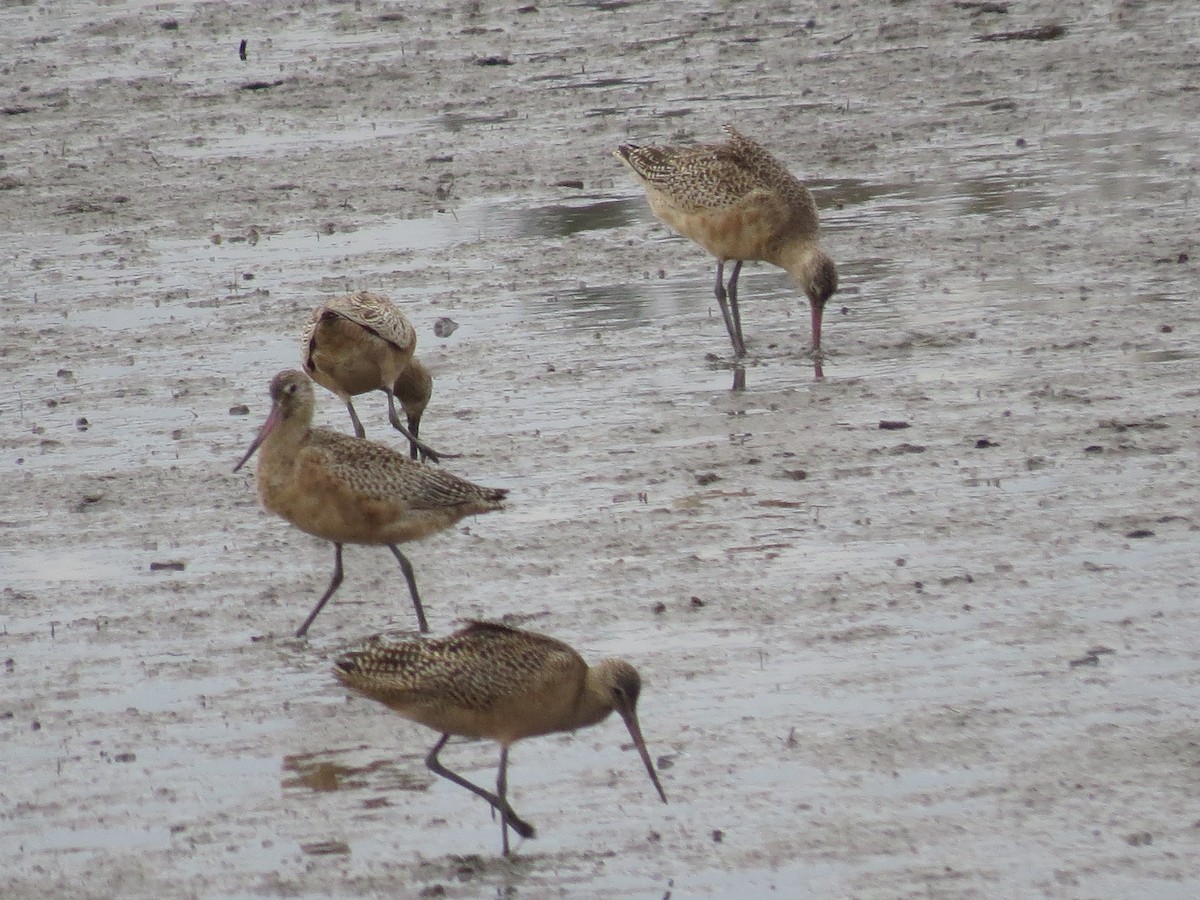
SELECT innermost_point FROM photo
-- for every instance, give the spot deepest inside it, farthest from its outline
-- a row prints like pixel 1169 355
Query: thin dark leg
pixel 426 451
pixel 418 452
pixel 502 793
pixel 723 302
pixel 414 426
pixel 359 431
pixel 739 344
pixel 333 586
pixel 407 569
pixel 515 822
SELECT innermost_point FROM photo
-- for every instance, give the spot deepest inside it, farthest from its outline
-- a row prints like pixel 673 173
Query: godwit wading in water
pixel 362 342
pixel 739 203
pixel 492 681
pixel 351 490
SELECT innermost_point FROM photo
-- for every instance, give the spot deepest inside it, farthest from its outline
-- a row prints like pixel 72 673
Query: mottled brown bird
pixel 739 203
pixel 492 681
pixel 362 342
pixel 351 490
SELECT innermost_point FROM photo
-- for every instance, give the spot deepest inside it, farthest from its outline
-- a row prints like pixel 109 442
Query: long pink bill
pixel 818 313
pixel 635 732
pixel 268 426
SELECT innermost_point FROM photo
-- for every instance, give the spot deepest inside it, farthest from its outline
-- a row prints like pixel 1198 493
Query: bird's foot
pixel 521 827
pixel 427 455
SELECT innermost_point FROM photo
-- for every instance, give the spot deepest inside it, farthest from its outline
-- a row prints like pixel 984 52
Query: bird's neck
pixel 285 440
pixel 801 260
pixel 594 705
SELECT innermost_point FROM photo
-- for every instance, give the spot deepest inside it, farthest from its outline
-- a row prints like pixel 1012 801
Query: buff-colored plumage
pixel 492 681
pixel 739 203
pixel 373 312
pixel 694 179
pixel 351 490
pixel 362 342
pixel 475 682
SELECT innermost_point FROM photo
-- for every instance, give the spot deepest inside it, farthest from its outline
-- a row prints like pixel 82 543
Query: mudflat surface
pixel 956 659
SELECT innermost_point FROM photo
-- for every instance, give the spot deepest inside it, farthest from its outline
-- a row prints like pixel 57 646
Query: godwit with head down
pixel 739 203
pixel 351 490
pixel 362 342
pixel 492 681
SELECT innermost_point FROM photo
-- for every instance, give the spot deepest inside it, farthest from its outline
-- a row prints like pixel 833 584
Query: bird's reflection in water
pixel 739 375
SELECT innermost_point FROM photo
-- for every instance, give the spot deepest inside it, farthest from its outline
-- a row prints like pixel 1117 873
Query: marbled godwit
pixel 413 389
pixel 358 343
pixel 492 681
pixel 739 203
pixel 351 490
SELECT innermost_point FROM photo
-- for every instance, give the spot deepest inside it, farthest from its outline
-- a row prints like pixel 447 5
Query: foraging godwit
pixel 351 490
pixel 739 203
pixel 362 342
pixel 491 681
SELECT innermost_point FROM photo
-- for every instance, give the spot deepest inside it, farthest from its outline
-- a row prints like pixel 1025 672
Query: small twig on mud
pixel 1041 33
pixel 261 85
pixel 842 39
pixel 978 7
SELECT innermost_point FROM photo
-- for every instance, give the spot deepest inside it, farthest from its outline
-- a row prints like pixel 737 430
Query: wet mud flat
pixel 952 656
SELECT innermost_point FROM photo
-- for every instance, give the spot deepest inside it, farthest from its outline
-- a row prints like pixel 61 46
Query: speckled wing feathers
pixel 377 472
pixel 373 312
pixel 474 668
pixel 754 157
pixel 693 178
pixel 715 176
